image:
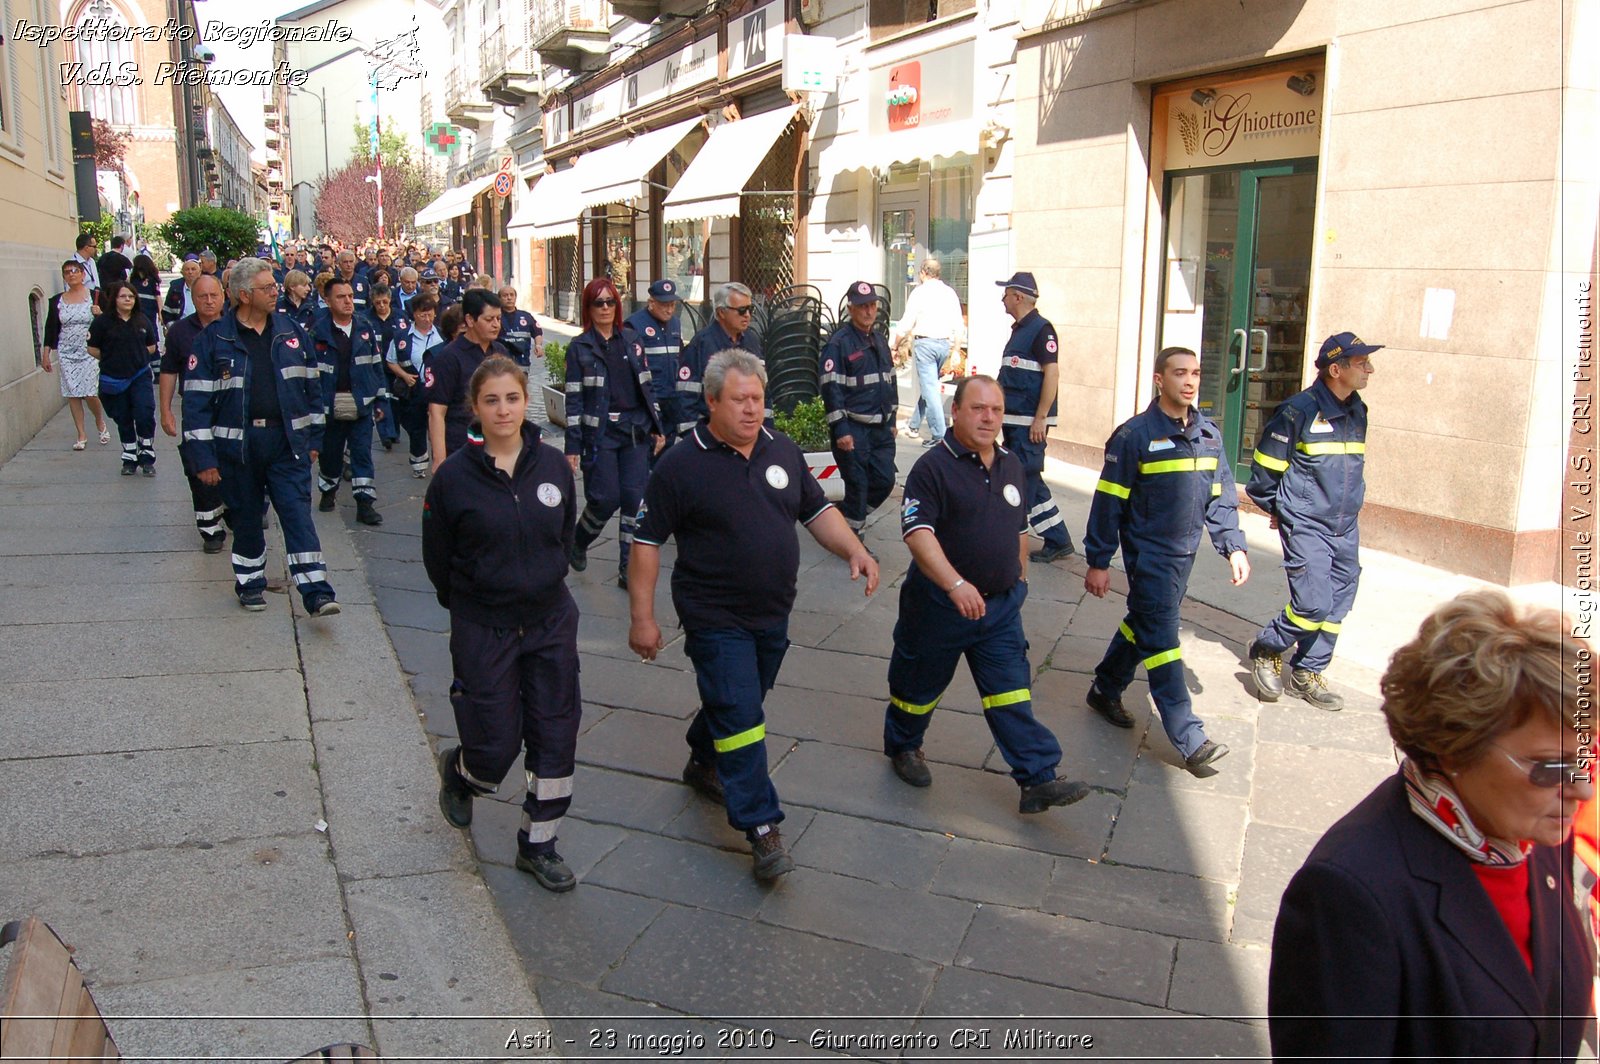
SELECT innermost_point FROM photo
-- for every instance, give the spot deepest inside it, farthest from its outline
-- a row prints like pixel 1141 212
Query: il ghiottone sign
pixel 1244 122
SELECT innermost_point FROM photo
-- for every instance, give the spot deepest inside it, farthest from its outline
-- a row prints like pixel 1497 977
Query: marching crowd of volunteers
pixel 1447 915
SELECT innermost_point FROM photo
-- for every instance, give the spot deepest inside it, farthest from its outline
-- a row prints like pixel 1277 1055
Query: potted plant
pixel 555 381
pixel 807 425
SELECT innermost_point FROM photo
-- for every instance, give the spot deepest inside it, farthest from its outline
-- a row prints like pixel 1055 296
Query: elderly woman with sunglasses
pixel 1437 920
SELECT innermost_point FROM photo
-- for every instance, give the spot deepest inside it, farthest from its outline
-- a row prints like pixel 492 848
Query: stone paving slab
pixel 137 648
pixel 582 844
pixel 1343 779
pixel 1211 979
pixel 1167 903
pixel 412 609
pixel 847 720
pixel 1070 953
pixel 1272 855
pixel 1160 765
pixel 925 926
pixel 68 605
pixel 705 822
pixel 77 717
pixel 624 800
pixel 579 936
pixel 996 875
pixel 157 798
pixel 1179 830
pixel 697 876
pixel 878 853
pixel 1297 724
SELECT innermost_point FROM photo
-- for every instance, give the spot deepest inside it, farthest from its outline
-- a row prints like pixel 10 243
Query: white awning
pixel 710 187
pixel 455 202
pixel 621 172
pixel 555 203
pixel 861 152
pixel 522 215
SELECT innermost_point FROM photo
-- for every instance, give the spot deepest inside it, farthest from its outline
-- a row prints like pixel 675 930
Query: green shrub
pixel 806 425
pixel 555 362
pixel 228 233
pixel 102 230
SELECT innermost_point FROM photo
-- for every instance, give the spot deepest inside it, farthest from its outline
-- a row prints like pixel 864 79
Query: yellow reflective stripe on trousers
pixel 1216 490
pixel 1332 626
pixel 1113 489
pixel 1178 465
pixel 1155 661
pixel 1331 448
pixel 906 707
pixel 1007 698
pixel 1300 622
pixel 1127 633
pixel 744 738
pixel 1277 465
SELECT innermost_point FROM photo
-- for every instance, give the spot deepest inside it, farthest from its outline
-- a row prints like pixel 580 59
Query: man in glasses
pixel 1308 474
pixel 733 306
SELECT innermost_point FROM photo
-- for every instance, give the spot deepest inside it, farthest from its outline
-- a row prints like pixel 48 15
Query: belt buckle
pixel 258 422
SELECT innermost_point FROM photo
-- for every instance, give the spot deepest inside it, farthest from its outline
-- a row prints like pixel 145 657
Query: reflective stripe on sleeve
pixel 1178 465
pixel 1330 448
pixel 1277 465
pixel 1113 489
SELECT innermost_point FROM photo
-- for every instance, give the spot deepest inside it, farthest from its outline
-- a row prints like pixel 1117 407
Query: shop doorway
pixel 1237 280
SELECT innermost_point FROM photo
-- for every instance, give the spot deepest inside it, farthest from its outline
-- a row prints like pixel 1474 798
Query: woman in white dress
pixel 66 339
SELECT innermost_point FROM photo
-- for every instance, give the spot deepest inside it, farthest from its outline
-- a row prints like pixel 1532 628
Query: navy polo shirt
pixel 975 513
pixel 445 378
pixel 738 551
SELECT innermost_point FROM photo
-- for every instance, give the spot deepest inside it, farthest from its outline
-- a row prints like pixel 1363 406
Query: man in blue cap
pixel 1308 474
pixel 1029 375
pixel 860 394
pixel 656 324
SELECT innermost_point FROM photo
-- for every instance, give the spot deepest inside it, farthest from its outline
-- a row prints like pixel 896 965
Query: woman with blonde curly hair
pixel 1437 919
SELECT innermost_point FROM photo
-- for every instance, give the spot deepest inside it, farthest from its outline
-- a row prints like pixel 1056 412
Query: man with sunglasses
pixel 733 306
pixel 1308 474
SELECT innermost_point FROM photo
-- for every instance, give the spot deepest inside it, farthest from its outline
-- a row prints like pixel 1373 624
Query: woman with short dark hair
pixel 1437 919
pixel 123 341
pixel 66 344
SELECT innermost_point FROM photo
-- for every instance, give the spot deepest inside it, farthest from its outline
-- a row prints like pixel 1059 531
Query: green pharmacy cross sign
pixel 442 136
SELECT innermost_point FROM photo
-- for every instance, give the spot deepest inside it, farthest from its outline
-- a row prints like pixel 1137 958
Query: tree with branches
pixel 347 203
pixel 110 146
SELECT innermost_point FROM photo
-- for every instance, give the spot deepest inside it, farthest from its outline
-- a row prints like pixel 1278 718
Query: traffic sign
pixel 502 184
pixel 505 164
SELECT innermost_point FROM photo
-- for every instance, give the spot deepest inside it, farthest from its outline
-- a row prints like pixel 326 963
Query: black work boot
pixel 578 557
pixel 912 767
pixel 367 513
pixel 1059 791
pixel 1266 668
pixel 327 501
pixel 1109 708
pixel 1199 763
pixel 455 797
pixel 1312 689
pixel 548 869
pixel 771 859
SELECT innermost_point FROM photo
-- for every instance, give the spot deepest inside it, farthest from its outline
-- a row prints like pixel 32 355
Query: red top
pixel 1508 890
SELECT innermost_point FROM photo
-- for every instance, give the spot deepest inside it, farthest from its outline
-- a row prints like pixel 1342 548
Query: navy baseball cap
pixel 862 293
pixel 1343 345
pixel 664 291
pixel 1023 282
pixel 429 275
pixel 191 257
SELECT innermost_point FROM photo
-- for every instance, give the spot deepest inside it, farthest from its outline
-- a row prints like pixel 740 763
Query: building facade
pixel 1248 179
pixel 38 219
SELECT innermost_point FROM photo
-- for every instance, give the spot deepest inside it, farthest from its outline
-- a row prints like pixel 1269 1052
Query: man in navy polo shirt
pixel 731 492
pixel 657 325
pixel 967 528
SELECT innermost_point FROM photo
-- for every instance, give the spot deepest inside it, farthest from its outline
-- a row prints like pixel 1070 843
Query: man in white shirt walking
pixel 933 321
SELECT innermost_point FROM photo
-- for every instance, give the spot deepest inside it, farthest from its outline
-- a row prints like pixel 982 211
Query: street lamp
pixel 322 100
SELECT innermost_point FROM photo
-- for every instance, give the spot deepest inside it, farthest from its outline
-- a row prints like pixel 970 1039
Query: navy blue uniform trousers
pixel 1044 518
pixel 270 469
pixel 1148 636
pixel 357 435
pixel 134 411
pixel 734 669
pixel 867 470
pixel 930 639
pixel 1323 569
pixel 517 688
pixel 613 477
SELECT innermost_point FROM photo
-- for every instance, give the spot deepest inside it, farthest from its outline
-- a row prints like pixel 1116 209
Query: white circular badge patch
pixel 550 495
pixel 1013 496
pixel 778 477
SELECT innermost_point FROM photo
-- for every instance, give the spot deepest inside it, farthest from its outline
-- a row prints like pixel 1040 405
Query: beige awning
pixel 711 186
pixel 555 203
pixel 454 203
pixel 621 172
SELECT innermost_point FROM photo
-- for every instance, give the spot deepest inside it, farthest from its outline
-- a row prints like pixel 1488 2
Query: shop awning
pixel 710 187
pixel 621 172
pixel 455 202
pixel 555 203
pixel 926 143
pixel 522 215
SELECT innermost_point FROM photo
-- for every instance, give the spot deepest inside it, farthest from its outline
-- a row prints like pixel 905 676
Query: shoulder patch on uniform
pixel 908 509
pixel 827 364
pixel 292 342
pixel 683 373
pixel 1162 444
pixel 1050 345
pixel 427 377
pixel 193 361
pixel 649 330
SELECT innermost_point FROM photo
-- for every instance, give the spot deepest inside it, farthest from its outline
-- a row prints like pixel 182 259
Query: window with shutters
pixel 885 18
pixel 10 91
pixel 50 91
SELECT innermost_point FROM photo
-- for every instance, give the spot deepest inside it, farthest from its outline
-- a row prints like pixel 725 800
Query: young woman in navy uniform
pixel 497 525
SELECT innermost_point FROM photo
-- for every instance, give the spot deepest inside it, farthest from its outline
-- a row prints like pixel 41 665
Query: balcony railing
pixel 573 34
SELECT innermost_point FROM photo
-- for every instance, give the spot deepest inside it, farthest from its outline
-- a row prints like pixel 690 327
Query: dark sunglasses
pixel 743 311
pixel 604 302
pixel 1549 773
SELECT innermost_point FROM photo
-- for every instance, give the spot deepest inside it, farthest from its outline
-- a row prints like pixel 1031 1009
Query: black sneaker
pixel 1046 555
pixel 455 799
pixel 1312 689
pixel 388 445
pixel 214 544
pixel 1059 791
pixel 254 601
pixel 129 470
pixel 1198 763
pixel 1266 668
pixel 148 470
pixel 1109 708
pixel 771 859
pixel 322 605
pixel 578 557
pixel 366 513
pixel 326 505
pixel 912 767
pixel 703 778
pixel 549 870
